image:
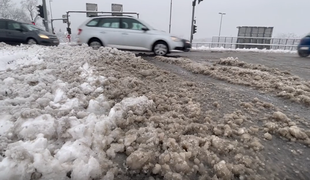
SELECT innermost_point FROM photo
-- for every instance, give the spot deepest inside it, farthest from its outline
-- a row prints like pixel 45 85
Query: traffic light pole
pixel 170 16
pixel 192 22
pixel 53 31
pixel 45 15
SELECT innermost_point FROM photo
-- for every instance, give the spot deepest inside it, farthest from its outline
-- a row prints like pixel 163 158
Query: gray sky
pixel 285 16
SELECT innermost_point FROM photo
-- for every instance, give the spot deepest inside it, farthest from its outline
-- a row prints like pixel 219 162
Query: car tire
pixel 31 41
pixel 95 43
pixel 160 48
pixel 303 53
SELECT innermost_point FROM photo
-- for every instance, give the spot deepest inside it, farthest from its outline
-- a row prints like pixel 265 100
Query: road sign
pixel 117 8
pixel 91 7
pixel 254 35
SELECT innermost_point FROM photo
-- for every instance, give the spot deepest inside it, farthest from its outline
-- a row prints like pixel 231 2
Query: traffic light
pixel 40 11
pixel 69 30
pixel 194 29
pixel 199 1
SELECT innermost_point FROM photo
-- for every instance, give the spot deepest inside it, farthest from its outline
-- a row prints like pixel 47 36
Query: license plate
pixel 55 41
pixel 304 48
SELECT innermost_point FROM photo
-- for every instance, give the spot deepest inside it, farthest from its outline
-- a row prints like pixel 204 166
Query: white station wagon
pixel 128 33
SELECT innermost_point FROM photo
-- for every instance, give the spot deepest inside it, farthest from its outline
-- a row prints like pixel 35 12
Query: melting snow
pixel 41 135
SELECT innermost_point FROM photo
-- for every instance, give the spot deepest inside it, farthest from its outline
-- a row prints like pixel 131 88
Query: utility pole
pixel 170 16
pixel 45 15
pixel 53 31
pixel 192 22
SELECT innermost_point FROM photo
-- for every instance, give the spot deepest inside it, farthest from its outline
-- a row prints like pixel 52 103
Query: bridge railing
pixel 249 43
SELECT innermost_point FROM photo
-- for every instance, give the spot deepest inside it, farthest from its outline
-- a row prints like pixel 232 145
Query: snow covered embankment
pixel 46 132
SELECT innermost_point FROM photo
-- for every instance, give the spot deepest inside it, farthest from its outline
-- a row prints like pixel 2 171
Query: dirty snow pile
pixel 25 56
pixel 54 116
pixel 70 112
pixel 255 75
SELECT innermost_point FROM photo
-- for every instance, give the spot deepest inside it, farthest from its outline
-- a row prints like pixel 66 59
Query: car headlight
pixel 175 39
pixel 43 36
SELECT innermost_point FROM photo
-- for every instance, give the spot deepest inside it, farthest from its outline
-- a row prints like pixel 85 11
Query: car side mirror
pixel 145 29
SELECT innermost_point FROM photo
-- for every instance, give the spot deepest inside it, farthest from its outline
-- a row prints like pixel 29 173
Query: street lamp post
pixel 45 20
pixel 51 16
pixel 170 16
pixel 222 14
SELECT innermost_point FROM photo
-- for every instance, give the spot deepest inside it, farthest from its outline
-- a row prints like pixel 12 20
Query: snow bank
pixel 106 114
pixel 10 57
pixel 54 116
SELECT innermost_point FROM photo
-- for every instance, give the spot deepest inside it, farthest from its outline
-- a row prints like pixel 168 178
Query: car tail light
pixel 80 31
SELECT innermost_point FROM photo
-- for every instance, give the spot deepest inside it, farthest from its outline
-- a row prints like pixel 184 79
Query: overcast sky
pixel 285 16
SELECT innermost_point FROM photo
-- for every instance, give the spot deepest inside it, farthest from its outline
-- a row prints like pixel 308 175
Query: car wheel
pixel 95 44
pixel 31 41
pixel 303 53
pixel 160 49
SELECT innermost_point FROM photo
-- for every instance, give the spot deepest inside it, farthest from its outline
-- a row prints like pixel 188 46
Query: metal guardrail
pixel 234 45
pixel 260 43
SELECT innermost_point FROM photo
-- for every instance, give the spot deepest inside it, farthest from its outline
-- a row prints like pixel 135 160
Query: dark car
pixel 304 46
pixel 15 33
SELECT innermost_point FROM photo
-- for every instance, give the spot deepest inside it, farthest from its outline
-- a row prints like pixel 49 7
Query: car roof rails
pixel 96 13
pixel 110 15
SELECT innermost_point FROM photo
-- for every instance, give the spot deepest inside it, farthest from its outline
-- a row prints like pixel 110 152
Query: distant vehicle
pixel 304 46
pixel 15 33
pixel 128 33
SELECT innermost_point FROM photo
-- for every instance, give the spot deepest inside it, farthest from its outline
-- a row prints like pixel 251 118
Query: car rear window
pixel 93 22
pixel 2 25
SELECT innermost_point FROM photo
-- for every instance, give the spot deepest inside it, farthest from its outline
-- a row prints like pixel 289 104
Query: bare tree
pixel 287 36
pixel 5 7
pixel 19 15
pixel 31 7
pixel 8 10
